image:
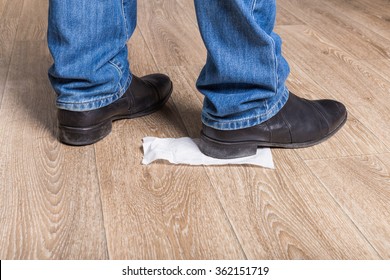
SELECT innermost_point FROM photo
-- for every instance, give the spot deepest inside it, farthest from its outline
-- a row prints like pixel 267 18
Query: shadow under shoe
pixel 144 96
pixel 300 123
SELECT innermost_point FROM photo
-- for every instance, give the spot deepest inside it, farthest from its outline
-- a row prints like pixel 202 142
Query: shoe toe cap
pixel 334 112
pixel 161 82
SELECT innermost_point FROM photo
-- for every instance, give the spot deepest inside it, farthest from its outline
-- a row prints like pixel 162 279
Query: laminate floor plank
pixel 373 14
pixel 99 202
pixel 276 214
pixel 33 26
pixel 160 211
pixel 11 9
pixel 380 66
pixel 362 188
pixel 284 17
pixel 8 29
pixel 342 77
pixel 349 35
pixel 187 9
pixel 352 140
pixel 10 12
pixel 49 193
pixel 171 35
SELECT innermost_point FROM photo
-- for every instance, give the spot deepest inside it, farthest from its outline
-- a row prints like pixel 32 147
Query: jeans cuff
pixel 99 103
pixel 257 118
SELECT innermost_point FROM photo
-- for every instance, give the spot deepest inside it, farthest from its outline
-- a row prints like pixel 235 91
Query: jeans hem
pixel 258 118
pixel 98 103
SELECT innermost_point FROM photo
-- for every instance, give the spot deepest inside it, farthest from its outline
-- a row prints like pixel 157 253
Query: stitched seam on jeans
pixel 253 7
pixel 126 84
pixel 275 61
pixel 125 20
pixel 116 67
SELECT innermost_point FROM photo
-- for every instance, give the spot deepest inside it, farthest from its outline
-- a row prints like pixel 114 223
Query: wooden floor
pixel 331 201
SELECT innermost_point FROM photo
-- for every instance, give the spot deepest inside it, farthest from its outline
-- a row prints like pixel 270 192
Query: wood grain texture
pixel 276 214
pixel 288 213
pixel 160 211
pixel 381 67
pixel 362 188
pixel 372 14
pixel 33 26
pixel 98 202
pixel 50 202
pixel 354 139
pixel 341 76
pixel 284 17
pixel 11 9
pixel 8 29
pixel 171 35
pixel 10 12
pixel 352 36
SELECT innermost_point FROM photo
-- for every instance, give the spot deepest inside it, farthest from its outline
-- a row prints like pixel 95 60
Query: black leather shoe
pixel 144 96
pixel 300 123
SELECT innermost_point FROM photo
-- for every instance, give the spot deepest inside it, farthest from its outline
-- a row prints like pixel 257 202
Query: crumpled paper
pixel 185 151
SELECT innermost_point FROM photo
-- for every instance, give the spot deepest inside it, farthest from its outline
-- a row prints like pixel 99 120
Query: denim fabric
pixel 87 39
pixel 243 80
pixel 244 77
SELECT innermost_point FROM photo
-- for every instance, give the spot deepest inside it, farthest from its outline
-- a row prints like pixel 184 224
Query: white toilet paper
pixel 185 151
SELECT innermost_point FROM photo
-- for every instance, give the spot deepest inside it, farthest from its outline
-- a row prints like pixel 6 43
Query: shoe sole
pixel 82 136
pixel 228 150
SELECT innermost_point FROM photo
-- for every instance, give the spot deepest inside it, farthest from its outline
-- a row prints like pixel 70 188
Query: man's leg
pixel 91 74
pixel 246 102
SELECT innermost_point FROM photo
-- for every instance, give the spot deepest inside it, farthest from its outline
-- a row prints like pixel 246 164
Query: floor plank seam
pixel 353 21
pixel 330 201
pixel 225 214
pixel 147 45
pixel 330 40
pixel 367 63
pixel 345 157
pixel 10 60
pixel 101 204
pixel 320 86
pixel 344 212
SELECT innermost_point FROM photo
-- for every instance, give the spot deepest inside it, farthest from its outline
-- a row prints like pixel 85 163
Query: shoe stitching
pixel 315 105
pixel 125 20
pixel 288 126
pixel 130 98
pixel 270 131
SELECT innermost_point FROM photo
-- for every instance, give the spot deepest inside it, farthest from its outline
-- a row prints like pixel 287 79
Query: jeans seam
pixel 275 62
pixel 126 84
pixel 118 69
pixel 125 19
pixel 253 7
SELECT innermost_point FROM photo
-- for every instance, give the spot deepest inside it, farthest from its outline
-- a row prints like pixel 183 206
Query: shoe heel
pixel 222 150
pixel 83 136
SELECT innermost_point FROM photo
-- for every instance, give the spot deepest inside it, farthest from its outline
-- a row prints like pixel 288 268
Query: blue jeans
pixel 243 80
